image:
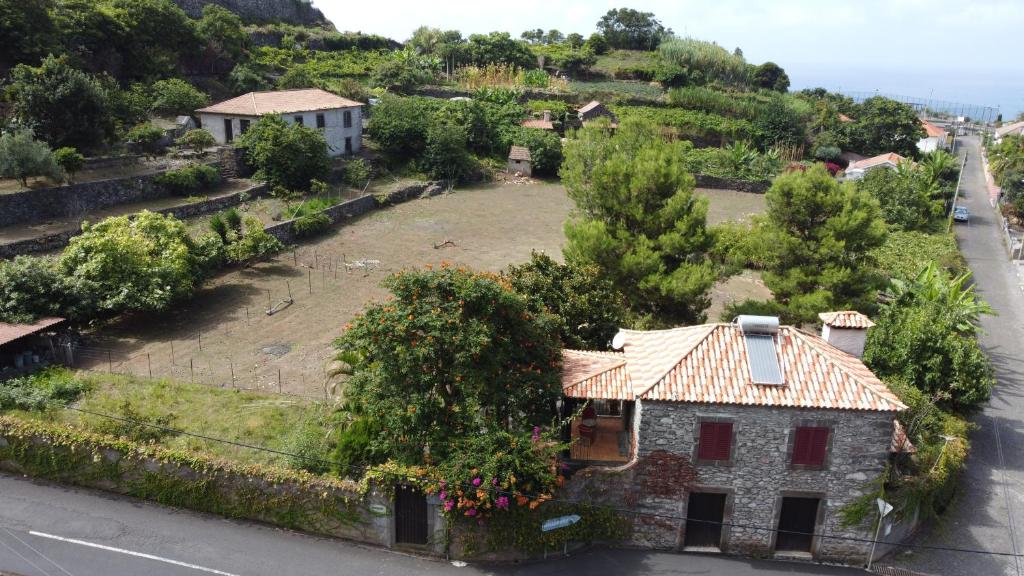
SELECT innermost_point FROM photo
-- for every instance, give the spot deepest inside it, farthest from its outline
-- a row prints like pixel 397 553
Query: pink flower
pixel 442 484
pixel 477 481
pixel 448 505
pixel 502 502
pixel 471 512
pixel 494 481
pixel 443 495
pixel 536 433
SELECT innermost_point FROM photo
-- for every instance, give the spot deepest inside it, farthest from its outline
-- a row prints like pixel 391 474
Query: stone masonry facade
pixel 757 476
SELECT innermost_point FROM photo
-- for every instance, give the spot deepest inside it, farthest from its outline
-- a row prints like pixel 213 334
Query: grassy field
pixel 224 337
pixel 269 421
pixel 614 59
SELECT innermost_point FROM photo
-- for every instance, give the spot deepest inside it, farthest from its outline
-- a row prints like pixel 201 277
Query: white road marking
pixel 130 553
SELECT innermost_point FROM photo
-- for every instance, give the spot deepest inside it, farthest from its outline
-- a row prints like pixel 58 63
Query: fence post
pixel 246 315
pixel 200 334
pixel 295 258
pixel 278 380
pixel 232 365
pixel 191 371
pixel 289 285
pixel 309 276
pixel 172 353
pixel 110 365
pixel 149 364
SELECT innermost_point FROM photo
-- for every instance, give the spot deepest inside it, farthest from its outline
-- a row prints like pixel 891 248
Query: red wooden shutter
pixel 715 441
pixel 810 445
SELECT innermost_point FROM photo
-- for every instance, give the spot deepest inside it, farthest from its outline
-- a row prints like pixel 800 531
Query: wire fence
pixel 976 112
pixel 221 355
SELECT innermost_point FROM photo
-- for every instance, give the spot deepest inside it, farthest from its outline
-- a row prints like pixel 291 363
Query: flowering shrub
pixel 500 470
pixel 832 168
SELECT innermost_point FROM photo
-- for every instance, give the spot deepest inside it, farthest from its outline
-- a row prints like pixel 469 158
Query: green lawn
pixel 265 420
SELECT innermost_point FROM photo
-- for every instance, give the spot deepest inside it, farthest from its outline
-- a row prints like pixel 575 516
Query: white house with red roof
pixel 339 119
pixel 746 438
pixel 857 170
pixel 935 138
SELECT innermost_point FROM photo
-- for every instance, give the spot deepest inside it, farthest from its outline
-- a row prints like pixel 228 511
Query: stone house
pixel 594 110
pixel 339 119
pixel 519 161
pixel 747 438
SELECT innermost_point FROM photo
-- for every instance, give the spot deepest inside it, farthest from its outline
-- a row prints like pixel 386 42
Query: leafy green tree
pixel 254 244
pixel 574 40
pixel 554 36
pixel 779 124
pixel 818 236
pixel 148 137
pixel 545 149
pixel 69 160
pixel 446 155
pixel 630 29
pixel 26 31
pixel 160 33
pixel 31 288
pixel 882 125
pixel 176 97
pixel 289 155
pixel 591 310
pixel 926 337
pixel 64 106
pixel 244 78
pixel 22 157
pixel 639 221
pixel 198 140
pixel 222 30
pixel 597 44
pixel 498 48
pixel 535 36
pixel 402 75
pixel 145 262
pixel 905 196
pixel 90 36
pixel 399 125
pixel 577 62
pixel 454 354
pixel 770 76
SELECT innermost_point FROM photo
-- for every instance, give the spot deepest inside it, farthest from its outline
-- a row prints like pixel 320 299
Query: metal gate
pixel 410 516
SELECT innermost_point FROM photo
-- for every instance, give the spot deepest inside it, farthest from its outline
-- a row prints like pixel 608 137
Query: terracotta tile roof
pixel 932 130
pixel 709 364
pixel 890 157
pixel 844 118
pixel 589 106
pixel 280 102
pixel 11 332
pixel 599 375
pixel 846 319
pixel 519 153
pixel 540 124
pixel 1015 128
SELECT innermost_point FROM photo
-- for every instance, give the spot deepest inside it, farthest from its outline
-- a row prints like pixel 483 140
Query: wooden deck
pixel 605 447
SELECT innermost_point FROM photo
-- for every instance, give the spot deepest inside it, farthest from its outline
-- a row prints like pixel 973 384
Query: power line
pixel 500 492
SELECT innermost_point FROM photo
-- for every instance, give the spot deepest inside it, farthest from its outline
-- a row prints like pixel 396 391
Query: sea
pixel 972 91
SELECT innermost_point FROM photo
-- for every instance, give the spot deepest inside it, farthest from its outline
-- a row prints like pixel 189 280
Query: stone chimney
pixel 846 330
pixel 547 115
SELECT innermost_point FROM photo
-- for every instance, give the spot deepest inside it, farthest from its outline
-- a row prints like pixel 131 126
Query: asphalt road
pixel 989 511
pixel 52 530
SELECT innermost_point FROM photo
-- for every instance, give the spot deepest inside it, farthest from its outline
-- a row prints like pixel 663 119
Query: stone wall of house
pixel 77 200
pixel 59 240
pixel 339 212
pixel 714 182
pixel 759 474
pixel 300 12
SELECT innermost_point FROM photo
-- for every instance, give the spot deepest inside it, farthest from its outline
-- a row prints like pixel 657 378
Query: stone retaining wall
pixel 56 241
pixel 103 162
pixel 77 200
pixel 283 230
pixel 288 498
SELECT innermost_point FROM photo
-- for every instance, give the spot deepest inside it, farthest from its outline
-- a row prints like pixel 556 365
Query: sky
pixel 963 50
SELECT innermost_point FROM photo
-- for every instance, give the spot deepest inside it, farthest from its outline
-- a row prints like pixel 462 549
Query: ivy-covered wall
pixel 291 499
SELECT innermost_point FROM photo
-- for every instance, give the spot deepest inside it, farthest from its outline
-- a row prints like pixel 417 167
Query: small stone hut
pixel 519 161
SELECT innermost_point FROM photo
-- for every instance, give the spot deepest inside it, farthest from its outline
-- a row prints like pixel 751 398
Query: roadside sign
pixel 883 507
pixel 560 522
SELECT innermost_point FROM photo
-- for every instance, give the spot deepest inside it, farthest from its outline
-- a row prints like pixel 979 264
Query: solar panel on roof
pixel 763 359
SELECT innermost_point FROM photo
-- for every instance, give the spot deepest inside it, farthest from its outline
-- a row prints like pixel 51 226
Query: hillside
pixel 298 12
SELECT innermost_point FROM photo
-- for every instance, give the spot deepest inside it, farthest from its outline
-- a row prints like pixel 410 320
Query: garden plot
pixel 224 336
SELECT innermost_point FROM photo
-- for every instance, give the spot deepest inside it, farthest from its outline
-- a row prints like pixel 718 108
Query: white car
pixel 961 214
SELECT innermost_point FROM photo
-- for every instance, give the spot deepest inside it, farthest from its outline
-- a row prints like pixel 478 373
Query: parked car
pixel 961 214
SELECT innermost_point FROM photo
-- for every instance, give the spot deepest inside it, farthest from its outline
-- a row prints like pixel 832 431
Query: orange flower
pixel 520 500
pixel 534 504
